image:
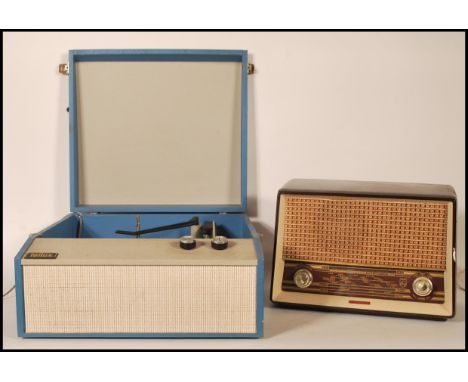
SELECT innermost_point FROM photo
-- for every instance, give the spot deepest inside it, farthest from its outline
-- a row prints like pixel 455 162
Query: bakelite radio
pixel 369 247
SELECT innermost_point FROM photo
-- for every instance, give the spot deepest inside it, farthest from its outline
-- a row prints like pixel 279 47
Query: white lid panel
pixel 158 132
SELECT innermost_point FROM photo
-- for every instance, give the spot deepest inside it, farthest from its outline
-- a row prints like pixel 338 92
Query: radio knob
pixel 219 242
pixel 303 278
pixel 422 286
pixel 187 242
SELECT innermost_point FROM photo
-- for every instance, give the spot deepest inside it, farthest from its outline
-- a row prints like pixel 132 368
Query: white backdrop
pixel 365 106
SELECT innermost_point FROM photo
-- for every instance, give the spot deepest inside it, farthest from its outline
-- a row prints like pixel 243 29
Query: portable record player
pixel 158 243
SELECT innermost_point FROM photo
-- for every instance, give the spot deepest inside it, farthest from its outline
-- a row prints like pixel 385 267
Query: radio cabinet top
pixel 369 188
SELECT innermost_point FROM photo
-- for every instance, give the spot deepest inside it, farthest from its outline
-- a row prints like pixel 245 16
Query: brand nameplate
pixel 41 255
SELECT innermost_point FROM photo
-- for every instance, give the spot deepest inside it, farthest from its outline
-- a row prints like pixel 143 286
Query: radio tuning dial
pixel 303 278
pixel 422 286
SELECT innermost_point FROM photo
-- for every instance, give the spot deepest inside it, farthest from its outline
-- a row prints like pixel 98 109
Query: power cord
pixel 9 291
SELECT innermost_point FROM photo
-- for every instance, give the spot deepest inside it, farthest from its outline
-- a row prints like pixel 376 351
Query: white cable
pixel 9 291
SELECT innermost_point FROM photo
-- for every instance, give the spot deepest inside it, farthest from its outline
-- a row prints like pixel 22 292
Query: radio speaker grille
pixel 140 299
pixel 365 231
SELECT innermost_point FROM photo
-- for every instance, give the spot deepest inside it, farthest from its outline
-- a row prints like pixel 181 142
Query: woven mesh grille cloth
pixel 368 232
pixel 140 299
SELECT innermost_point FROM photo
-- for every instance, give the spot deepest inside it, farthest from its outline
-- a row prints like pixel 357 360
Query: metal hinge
pixel 64 69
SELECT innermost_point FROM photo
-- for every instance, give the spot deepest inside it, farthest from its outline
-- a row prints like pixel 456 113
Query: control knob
pixel 303 278
pixel 187 242
pixel 219 243
pixel 422 286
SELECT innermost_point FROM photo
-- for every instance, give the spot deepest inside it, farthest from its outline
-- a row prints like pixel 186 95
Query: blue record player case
pixel 157 137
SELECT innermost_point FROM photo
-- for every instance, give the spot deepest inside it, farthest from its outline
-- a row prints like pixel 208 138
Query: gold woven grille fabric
pixel 365 231
pixel 140 299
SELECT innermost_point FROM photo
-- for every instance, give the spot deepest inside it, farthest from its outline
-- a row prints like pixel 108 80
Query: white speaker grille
pixel 140 299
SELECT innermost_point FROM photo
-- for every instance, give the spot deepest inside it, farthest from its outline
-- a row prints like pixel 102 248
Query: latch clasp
pixel 64 69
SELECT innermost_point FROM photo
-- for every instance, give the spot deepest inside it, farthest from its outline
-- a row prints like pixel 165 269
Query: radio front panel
pixel 364 253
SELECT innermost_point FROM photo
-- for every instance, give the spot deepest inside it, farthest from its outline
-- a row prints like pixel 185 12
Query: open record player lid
pixel 158 130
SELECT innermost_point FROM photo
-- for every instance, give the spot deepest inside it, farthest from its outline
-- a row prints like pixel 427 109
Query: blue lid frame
pixel 153 55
